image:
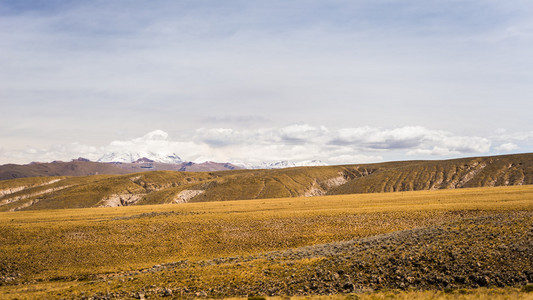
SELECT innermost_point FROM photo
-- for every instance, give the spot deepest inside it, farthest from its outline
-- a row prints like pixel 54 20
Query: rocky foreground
pixel 487 250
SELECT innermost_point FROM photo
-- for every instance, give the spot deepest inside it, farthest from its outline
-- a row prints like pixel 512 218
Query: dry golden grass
pixel 482 293
pixel 57 251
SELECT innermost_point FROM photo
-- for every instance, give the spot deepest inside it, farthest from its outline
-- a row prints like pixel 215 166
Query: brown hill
pixel 84 167
pixel 449 174
pixel 177 187
pixel 58 168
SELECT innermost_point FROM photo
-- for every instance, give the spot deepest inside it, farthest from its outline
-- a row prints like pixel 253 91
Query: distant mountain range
pixel 173 158
pixel 85 167
pixel 116 163
pixel 282 164
pixel 131 157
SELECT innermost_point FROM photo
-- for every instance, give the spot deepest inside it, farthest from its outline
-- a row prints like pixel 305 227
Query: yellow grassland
pixel 64 253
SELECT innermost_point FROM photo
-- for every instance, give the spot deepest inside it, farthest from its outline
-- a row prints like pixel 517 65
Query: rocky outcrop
pixel 186 195
pixel 11 190
pixel 120 200
pixel 322 187
pixel 9 200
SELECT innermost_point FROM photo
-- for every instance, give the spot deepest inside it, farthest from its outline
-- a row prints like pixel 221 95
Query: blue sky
pixel 340 81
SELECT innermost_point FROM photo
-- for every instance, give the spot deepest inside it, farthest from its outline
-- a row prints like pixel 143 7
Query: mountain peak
pixel 81 159
pixel 144 160
pixel 131 157
pixel 281 164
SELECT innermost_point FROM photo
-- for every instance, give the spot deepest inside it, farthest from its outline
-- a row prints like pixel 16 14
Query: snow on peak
pixel 311 163
pixel 130 157
pixel 281 164
pixel 278 165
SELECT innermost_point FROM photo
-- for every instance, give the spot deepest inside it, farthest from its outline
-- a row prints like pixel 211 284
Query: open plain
pixel 463 242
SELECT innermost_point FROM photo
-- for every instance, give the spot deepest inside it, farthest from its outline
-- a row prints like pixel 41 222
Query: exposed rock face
pixel 11 190
pixel 120 200
pixel 321 188
pixel 314 191
pixel 337 181
pixel 26 196
pixel 474 170
pixel 143 160
pixel 7 197
pixel 81 159
pixel 186 195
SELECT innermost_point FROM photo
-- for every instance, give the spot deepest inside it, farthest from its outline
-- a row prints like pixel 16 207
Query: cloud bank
pixel 296 142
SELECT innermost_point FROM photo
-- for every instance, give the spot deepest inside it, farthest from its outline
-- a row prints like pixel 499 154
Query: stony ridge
pixel 477 251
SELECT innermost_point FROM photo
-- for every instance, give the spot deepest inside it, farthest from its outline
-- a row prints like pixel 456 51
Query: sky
pixel 253 81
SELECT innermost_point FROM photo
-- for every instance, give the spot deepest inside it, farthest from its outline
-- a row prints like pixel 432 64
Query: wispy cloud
pixel 507 147
pixel 297 142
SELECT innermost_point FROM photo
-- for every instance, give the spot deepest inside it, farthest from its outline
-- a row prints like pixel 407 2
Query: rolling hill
pixel 84 167
pixel 158 187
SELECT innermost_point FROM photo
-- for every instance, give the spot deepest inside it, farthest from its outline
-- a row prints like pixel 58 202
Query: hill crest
pixel 158 187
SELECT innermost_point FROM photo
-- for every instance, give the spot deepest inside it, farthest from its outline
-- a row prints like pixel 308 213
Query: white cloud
pixel 507 147
pixel 415 139
pixel 510 141
pixel 300 134
pixel 219 137
pixel 158 141
pixel 347 158
pixel 54 152
pixel 298 142
pixel 376 138
pixel 521 136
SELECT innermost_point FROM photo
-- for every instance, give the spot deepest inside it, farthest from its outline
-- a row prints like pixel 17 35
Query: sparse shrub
pixel 463 291
pixel 528 288
pixel 448 290
pixel 255 297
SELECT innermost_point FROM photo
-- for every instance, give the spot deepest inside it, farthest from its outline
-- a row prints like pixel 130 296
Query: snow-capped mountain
pixel 172 158
pixel 278 165
pixel 311 163
pixel 130 157
pixel 281 164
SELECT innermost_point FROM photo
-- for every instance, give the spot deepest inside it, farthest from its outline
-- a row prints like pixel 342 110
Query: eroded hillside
pixel 179 187
pixel 449 174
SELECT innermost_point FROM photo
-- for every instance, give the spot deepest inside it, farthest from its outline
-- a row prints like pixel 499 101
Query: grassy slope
pixel 86 168
pixel 97 250
pixel 164 186
pixel 456 173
